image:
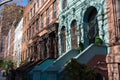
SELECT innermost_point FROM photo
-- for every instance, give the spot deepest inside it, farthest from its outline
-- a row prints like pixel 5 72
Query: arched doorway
pixel 73 34
pixel 63 39
pixel 90 25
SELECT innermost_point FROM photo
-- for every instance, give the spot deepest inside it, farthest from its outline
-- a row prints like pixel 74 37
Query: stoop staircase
pixel 54 70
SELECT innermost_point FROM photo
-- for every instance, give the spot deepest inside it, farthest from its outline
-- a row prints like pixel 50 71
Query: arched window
pixel 73 34
pixel 64 4
pixel 63 40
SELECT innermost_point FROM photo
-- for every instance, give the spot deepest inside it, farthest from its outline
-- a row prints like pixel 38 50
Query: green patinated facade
pixel 82 21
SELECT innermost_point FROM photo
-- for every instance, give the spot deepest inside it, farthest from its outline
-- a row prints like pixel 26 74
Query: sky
pixel 23 3
pixel 19 2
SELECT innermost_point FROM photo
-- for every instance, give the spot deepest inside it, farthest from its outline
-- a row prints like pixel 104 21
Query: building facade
pixel 40 30
pixel 18 44
pixel 56 28
pixel 82 21
pixel 2 47
pixel 113 58
pixel 10 13
pixel 9 44
pixel 79 24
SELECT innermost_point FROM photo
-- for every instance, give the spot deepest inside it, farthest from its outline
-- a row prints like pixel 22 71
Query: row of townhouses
pixel 50 32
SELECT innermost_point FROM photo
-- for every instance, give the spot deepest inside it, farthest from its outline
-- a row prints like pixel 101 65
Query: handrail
pixel 85 56
pixel 62 60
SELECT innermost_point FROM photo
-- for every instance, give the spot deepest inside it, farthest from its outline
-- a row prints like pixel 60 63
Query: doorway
pixel 90 25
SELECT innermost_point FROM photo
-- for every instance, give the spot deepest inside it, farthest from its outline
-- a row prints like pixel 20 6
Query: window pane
pixel 34 8
pixel 42 1
pixel 64 4
pixel 42 21
pixel 54 10
pixel 48 16
pixel 38 1
pixel 119 8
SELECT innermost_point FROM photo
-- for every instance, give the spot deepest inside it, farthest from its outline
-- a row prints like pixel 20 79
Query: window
pixel 34 8
pixel 42 1
pixel 27 17
pixel 119 8
pixel 24 20
pixel 33 29
pixel 38 1
pixel 27 34
pixel 30 32
pixel 48 16
pixel 37 25
pixel 30 13
pixel 42 21
pixel 118 69
pixel 73 33
pixel 63 40
pixel 54 10
pixel 118 30
pixel 64 4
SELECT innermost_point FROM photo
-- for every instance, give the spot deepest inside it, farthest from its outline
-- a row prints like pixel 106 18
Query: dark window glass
pixel 119 8
pixel 38 1
pixel 42 1
pixel 48 16
pixel 30 13
pixel 34 8
pixel 42 21
pixel 64 4
pixel 37 25
pixel 63 40
pixel 54 10
pixel 73 33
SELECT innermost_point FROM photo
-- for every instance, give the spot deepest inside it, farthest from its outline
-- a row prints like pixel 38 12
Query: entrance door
pixel 90 26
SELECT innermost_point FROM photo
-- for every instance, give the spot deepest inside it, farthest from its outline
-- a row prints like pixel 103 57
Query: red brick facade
pixel 98 63
pixel 113 58
pixel 40 30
